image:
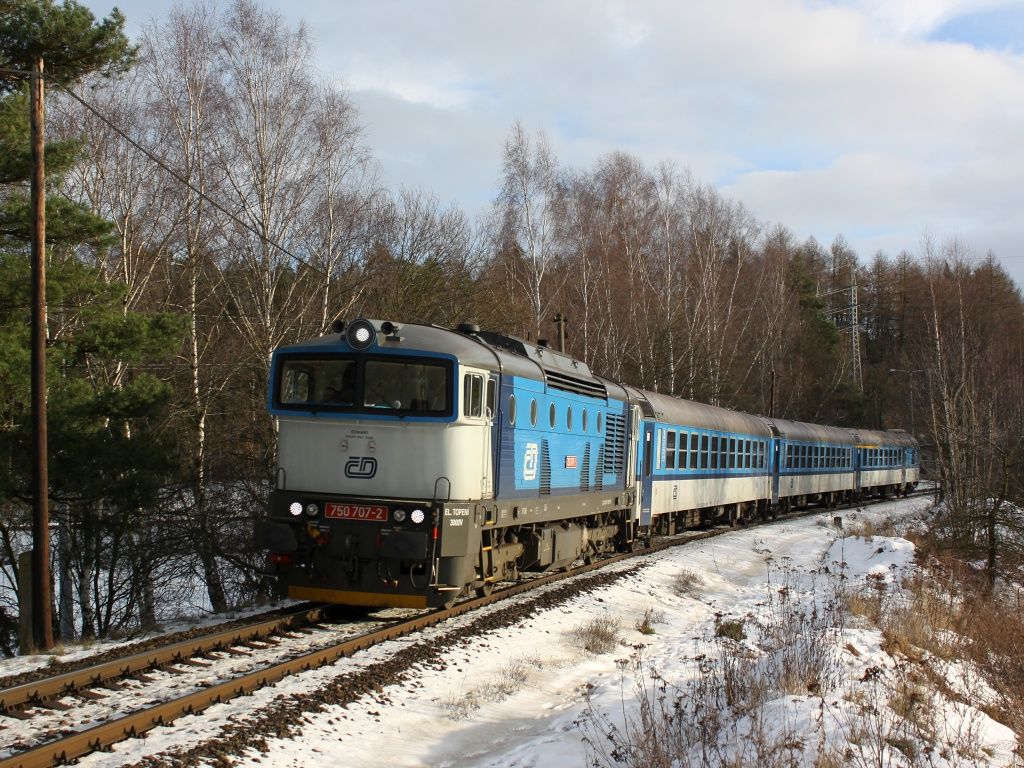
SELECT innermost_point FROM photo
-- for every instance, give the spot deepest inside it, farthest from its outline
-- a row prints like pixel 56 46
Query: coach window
pixel 533 413
pixel 681 450
pixel 472 395
pixel 512 410
pixel 714 452
pixel 670 451
pixel 694 447
pixel 705 461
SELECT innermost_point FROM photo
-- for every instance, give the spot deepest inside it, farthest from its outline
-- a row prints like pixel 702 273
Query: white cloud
pixel 825 116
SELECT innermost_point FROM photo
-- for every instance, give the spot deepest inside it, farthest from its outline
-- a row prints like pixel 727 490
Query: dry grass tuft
pixel 599 635
pixel 687 583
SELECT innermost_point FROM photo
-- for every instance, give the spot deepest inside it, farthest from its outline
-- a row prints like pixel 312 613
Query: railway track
pixel 67 746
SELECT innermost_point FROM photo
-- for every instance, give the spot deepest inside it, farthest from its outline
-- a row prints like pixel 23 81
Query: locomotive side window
pixel 551 415
pixel 512 410
pixel 473 395
pixel 584 419
pixel 533 413
pixel 568 417
pixel 600 421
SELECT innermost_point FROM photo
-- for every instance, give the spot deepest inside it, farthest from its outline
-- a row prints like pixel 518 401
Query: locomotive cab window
pixel 328 384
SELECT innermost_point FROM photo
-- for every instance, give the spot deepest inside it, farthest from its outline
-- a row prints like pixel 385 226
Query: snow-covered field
pixel 528 695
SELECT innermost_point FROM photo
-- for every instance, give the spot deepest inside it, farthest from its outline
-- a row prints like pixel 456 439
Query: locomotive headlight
pixel 418 516
pixel 360 334
pixel 312 509
pixel 295 508
pixel 399 515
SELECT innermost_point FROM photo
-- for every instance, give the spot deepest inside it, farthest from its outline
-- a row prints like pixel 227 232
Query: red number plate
pixel 356 512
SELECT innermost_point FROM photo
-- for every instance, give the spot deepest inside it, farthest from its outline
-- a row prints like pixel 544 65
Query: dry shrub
pixel 950 611
pixel 868 528
pixel 687 583
pixel 717 716
pixel 730 629
pixel 645 624
pixel 597 635
pixel 510 679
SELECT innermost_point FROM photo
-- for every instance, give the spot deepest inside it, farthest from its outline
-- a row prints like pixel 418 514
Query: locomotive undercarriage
pixel 456 547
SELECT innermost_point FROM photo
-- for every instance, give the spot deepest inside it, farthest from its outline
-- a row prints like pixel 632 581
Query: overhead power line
pixel 185 182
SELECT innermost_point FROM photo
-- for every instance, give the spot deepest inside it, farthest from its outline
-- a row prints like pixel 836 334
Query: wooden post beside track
pixel 42 629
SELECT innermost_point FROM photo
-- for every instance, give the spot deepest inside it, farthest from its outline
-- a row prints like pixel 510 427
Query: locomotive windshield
pixel 409 386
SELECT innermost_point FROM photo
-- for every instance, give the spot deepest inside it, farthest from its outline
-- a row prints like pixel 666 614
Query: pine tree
pixel 107 458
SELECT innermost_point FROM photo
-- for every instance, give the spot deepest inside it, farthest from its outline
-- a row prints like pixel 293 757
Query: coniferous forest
pixel 211 197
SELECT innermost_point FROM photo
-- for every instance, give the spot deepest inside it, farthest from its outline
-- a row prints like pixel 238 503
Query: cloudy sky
pixel 882 120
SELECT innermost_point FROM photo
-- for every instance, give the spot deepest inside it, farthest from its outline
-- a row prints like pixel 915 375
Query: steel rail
pixel 69 682
pixel 80 743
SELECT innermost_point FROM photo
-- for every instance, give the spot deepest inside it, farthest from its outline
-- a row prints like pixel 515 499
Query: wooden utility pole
pixel 42 625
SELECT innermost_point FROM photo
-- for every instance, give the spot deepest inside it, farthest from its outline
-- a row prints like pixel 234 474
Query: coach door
pixel 775 460
pixel 631 474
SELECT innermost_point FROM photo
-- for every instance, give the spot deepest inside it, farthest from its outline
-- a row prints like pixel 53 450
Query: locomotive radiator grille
pixel 545 469
pixel 614 454
pixel 585 470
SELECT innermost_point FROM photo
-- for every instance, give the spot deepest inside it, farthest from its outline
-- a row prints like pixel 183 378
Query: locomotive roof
pixel 818 433
pixel 480 349
pixel 690 413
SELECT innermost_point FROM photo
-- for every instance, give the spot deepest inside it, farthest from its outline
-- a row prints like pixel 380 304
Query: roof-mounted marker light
pixel 360 334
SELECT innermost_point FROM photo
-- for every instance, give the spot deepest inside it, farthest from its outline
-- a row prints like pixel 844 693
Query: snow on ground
pixel 516 697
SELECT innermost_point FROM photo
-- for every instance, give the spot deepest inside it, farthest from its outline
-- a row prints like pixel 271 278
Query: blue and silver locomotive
pixel 416 463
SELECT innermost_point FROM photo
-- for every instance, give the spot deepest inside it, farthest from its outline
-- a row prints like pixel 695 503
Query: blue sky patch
pixel 999 29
